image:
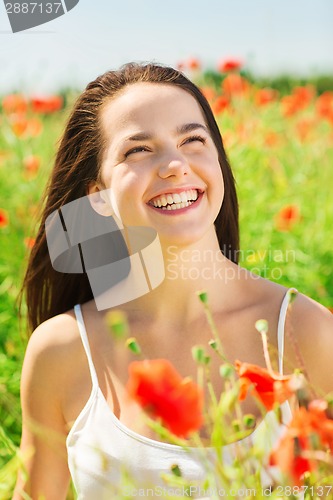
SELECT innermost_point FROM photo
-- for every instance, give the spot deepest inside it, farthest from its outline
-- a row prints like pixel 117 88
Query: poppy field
pixel 280 146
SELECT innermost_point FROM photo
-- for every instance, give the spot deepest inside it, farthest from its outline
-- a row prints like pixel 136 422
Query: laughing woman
pixel 143 146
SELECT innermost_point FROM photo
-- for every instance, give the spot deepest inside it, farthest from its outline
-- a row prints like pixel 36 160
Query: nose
pixel 173 165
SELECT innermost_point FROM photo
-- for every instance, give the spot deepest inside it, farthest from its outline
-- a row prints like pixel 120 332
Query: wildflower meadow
pixel 278 135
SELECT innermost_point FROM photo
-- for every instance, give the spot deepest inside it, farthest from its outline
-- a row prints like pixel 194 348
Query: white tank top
pixel 102 450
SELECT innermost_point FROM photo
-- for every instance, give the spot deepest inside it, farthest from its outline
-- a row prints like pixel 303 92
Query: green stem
pixel 214 331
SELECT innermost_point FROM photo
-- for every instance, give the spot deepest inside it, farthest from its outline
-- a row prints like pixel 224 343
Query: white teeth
pixel 175 201
pixel 183 197
pixel 176 206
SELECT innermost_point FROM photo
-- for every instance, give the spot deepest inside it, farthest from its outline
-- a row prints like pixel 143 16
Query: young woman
pixel 146 134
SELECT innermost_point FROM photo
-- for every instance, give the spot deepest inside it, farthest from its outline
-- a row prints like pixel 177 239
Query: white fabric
pixel 102 450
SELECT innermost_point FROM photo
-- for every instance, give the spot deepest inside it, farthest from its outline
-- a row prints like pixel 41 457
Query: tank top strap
pixel 281 326
pixel 85 342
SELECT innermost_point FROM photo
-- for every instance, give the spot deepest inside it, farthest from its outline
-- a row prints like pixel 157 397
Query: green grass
pixel 290 171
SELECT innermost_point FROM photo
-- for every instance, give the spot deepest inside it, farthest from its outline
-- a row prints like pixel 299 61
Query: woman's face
pixel 161 162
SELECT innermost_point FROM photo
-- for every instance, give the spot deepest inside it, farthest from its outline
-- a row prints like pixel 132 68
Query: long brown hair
pixel 77 163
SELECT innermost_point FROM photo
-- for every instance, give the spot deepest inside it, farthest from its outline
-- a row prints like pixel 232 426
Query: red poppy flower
pixel 193 63
pixel 3 218
pixel 47 104
pixel 34 127
pixel 304 95
pixel 288 454
pixel 14 103
pixel 164 394
pixel 271 139
pixel 321 422
pixel 180 66
pixel 229 65
pixel 287 217
pixel 220 104
pixel 29 242
pixel 300 98
pixel 24 127
pixel 270 388
pixel 304 127
pixel 235 84
pixel 324 106
pixel 208 92
pixel 19 125
pixel 31 164
pixel 293 452
pixel 265 96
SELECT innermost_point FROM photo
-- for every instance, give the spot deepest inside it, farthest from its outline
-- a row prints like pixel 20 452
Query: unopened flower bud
pixel 198 353
pixel 175 469
pixel 213 344
pixel 117 323
pixel 133 345
pixel 249 421
pixel 236 425
pixel 203 296
pixel 226 370
pixel 262 326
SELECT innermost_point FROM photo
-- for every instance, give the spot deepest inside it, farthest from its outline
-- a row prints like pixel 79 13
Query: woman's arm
pixel 43 444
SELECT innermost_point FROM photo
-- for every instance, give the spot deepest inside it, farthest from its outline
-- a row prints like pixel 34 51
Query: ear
pixel 99 199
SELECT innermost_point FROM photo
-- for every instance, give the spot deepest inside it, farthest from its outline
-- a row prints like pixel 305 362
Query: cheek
pixel 127 189
pixel 219 192
pixel 216 187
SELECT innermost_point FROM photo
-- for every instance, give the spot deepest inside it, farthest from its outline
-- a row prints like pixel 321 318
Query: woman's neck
pixel 188 269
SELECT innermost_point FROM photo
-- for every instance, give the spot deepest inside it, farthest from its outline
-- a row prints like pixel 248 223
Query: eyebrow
pixel 182 129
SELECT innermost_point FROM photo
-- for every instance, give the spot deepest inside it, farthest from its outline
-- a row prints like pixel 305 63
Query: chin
pixel 181 238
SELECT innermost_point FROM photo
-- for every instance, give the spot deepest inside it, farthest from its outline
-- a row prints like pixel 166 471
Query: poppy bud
pixel 133 345
pixel 199 355
pixel 203 296
pixel 249 421
pixel 116 322
pixel 213 344
pixel 226 370
pixel 262 326
pixel 236 425
pixel 175 469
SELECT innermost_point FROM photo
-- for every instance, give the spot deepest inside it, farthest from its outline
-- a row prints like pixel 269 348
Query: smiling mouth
pixel 175 201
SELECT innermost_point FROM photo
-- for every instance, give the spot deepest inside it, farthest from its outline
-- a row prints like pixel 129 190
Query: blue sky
pixel 271 36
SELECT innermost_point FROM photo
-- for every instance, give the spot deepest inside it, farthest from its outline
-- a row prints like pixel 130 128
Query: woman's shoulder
pixel 309 341
pixel 52 349
pixel 55 333
pixel 310 328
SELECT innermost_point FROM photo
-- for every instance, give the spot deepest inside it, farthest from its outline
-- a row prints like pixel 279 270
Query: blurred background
pixel 270 37
pixel 266 67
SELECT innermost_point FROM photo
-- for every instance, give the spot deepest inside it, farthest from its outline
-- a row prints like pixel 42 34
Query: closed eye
pixel 195 138
pixel 137 149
